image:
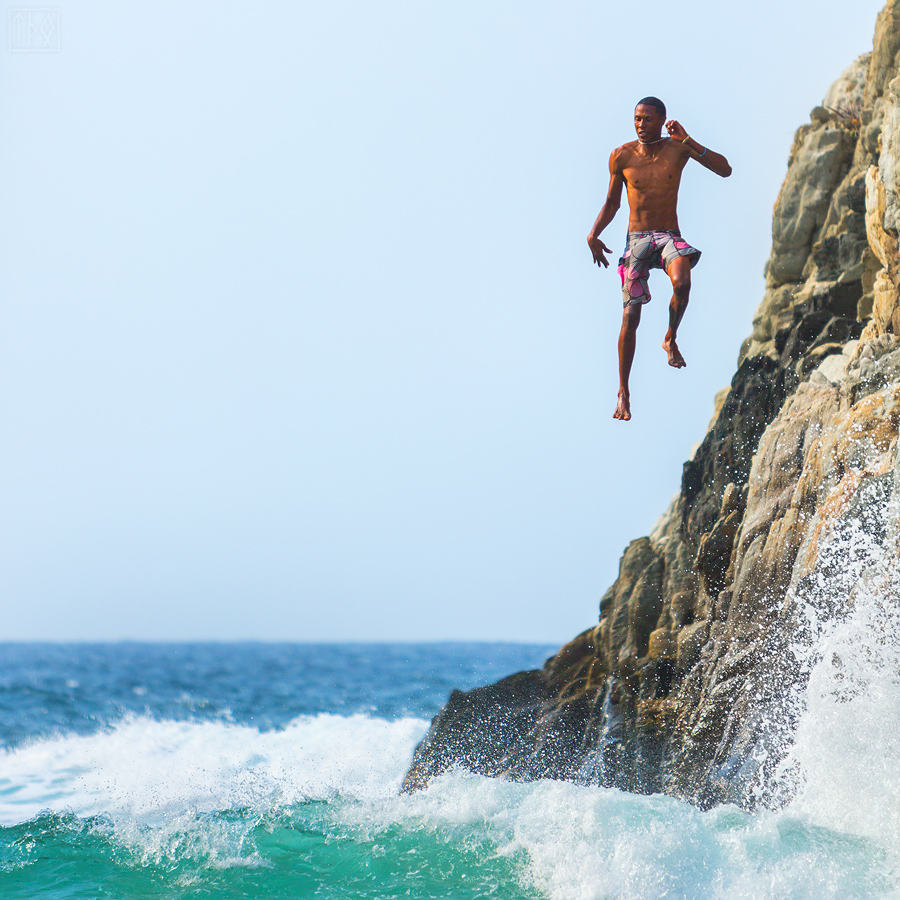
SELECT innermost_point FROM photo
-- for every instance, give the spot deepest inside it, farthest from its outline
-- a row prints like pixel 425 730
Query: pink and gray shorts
pixel 646 250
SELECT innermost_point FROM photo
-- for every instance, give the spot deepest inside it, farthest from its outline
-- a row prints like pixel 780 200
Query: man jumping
pixel 651 168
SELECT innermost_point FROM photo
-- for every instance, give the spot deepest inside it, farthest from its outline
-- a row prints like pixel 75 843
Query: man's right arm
pixel 608 210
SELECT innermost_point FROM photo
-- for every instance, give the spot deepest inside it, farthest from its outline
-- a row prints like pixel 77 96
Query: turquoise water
pixel 132 771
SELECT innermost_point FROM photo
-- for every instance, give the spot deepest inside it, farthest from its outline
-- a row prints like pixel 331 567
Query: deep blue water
pixel 79 688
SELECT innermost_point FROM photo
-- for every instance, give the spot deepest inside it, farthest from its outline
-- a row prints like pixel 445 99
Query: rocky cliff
pixel 684 686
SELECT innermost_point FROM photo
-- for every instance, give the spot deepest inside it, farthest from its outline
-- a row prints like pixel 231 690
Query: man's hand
pixel 676 130
pixel 598 248
pixel 713 161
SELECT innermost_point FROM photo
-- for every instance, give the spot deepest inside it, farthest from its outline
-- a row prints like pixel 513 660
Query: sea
pixel 140 771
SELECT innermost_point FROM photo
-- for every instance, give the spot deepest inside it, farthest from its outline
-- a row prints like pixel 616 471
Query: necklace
pixel 647 143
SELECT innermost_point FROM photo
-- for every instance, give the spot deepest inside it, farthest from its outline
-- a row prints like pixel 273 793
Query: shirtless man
pixel 651 168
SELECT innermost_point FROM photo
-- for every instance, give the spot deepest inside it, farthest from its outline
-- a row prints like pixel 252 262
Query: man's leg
pixel 680 273
pixel 631 318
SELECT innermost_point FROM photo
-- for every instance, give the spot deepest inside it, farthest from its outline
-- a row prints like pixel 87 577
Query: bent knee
pixel 681 281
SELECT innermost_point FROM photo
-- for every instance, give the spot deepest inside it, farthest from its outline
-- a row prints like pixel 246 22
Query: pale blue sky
pixel 299 334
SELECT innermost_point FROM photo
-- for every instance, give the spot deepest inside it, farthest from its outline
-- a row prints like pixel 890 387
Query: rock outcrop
pixel 679 687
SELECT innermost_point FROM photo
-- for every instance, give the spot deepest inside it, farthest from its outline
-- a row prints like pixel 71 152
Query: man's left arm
pixel 713 161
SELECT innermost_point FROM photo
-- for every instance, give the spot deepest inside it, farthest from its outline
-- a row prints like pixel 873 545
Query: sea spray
pixel 837 750
pixel 845 753
pixel 166 809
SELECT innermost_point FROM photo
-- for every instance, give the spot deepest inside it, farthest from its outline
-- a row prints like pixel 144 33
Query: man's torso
pixel 652 174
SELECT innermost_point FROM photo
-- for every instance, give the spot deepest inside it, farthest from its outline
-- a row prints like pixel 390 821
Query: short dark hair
pixel 655 102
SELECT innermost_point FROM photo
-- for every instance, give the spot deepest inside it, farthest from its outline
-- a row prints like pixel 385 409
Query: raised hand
pixel 676 130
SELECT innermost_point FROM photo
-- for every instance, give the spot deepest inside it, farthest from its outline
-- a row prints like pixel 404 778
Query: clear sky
pixel 300 337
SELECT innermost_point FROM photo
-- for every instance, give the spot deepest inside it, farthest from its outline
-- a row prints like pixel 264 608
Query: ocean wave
pixel 150 769
pixel 316 807
pixel 594 843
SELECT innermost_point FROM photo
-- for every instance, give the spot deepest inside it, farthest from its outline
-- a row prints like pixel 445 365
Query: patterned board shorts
pixel 646 250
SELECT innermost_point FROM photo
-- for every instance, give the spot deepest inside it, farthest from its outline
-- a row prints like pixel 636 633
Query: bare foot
pixel 623 407
pixel 676 360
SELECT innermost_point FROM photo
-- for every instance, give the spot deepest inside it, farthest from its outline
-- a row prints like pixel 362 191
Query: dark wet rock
pixel 477 729
pixel 758 390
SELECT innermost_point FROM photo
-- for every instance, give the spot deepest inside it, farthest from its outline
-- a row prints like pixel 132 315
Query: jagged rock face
pixel 819 160
pixel 674 689
pixel 828 458
pixel 757 392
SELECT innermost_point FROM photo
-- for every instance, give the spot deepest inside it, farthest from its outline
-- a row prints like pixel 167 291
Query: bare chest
pixel 653 175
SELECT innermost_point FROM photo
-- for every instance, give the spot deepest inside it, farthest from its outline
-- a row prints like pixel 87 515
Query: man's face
pixel 648 122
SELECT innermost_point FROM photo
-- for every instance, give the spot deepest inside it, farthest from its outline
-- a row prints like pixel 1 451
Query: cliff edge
pixel 685 685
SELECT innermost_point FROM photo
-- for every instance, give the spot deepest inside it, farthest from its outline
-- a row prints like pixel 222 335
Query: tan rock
pixel 820 160
pixel 857 443
pixel 777 503
pixel 766 318
pixel 884 303
pixel 886 45
pixel 832 369
pixel 879 241
pixel 691 640
pixel 662 644
pixel 889 158
pixel 681 608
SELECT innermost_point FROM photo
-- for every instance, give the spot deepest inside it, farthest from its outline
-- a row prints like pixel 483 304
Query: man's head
pixel 649 118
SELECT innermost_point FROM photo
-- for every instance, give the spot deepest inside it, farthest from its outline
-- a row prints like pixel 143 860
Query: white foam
pixel 840 768
pixel 846 750
pixel 153 770
pixel 592 843
pixel 161 788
